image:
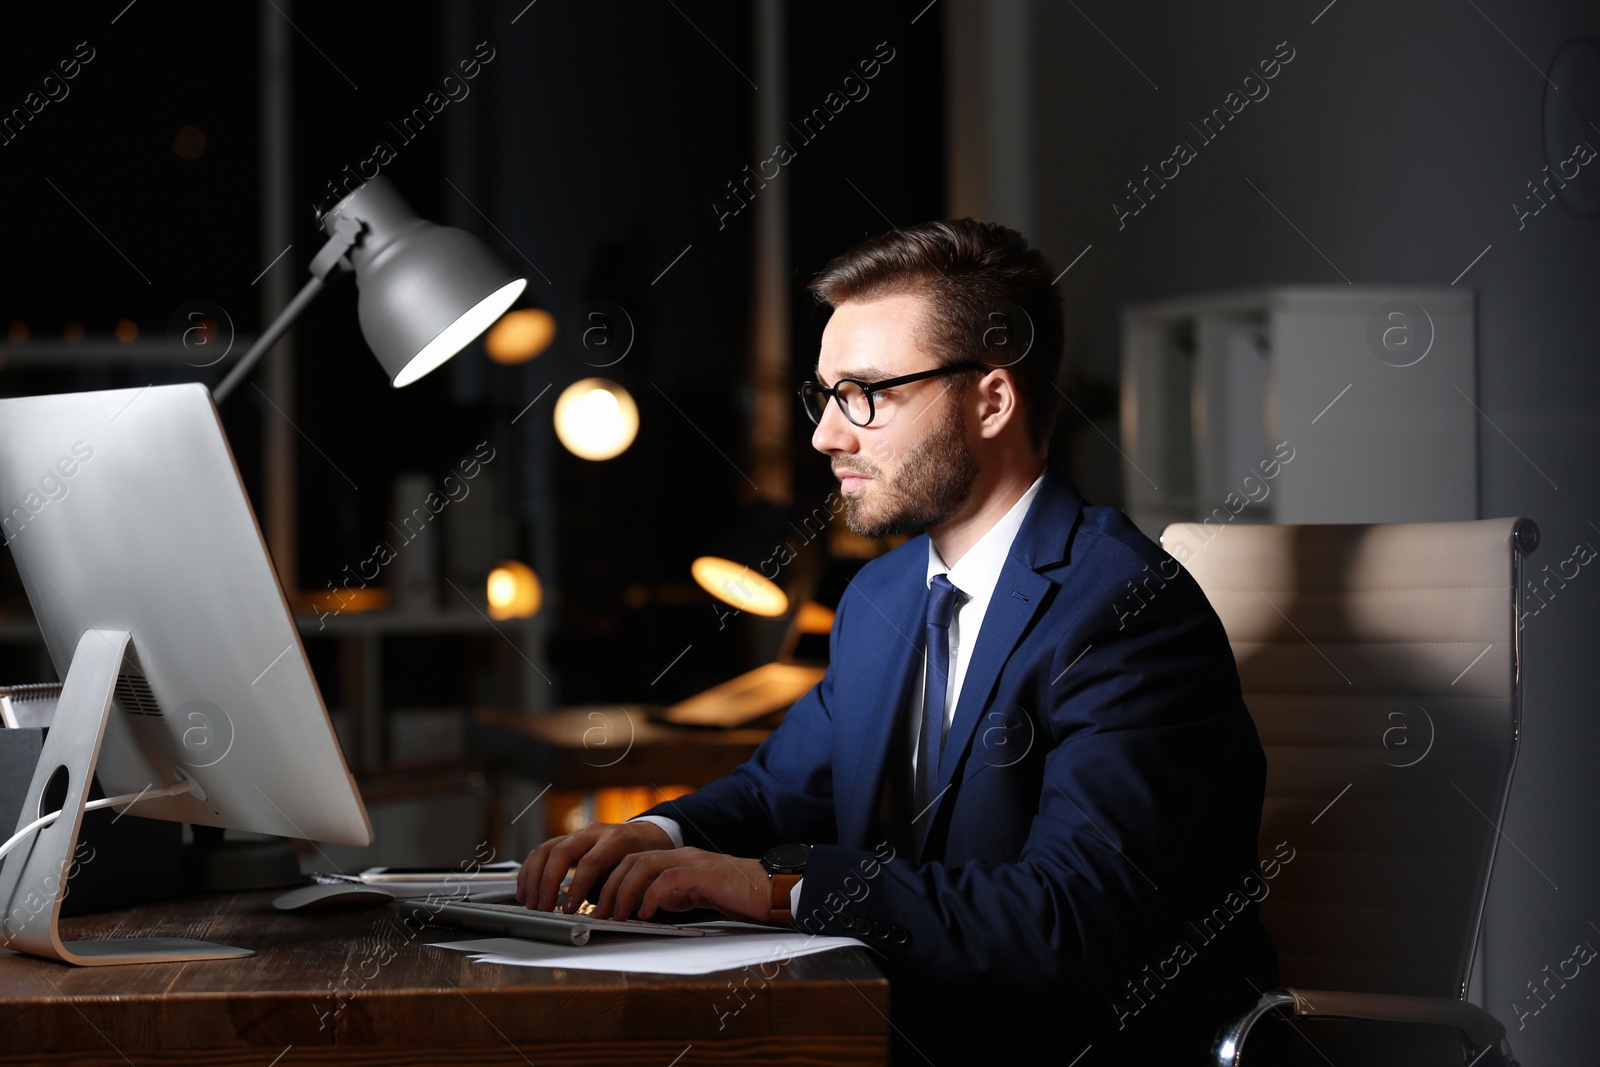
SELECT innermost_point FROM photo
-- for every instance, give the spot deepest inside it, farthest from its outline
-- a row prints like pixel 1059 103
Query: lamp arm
pixel 279 327
pixel 330 258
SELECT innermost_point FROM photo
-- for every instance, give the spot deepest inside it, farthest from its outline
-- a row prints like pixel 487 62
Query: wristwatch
pixel 786 865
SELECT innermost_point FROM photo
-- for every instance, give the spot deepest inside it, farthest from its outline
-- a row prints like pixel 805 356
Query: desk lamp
pixel 738 586
pixel 426 290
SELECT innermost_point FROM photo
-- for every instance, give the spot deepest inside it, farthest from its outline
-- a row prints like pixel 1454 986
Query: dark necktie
pixel 941 602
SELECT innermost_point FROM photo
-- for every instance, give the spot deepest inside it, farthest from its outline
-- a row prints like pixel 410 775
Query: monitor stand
pixel 33 878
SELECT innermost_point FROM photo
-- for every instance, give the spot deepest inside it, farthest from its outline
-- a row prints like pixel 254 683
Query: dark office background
pixel 590 152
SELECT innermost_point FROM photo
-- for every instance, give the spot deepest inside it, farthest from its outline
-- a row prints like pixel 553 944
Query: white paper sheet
pixel 742 946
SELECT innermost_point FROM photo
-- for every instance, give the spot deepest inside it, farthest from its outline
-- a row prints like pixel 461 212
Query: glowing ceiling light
pixel 513 591
pixel 596 419
pixel 520 335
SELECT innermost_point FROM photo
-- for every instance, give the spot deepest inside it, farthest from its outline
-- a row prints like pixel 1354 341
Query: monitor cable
pixel 175 789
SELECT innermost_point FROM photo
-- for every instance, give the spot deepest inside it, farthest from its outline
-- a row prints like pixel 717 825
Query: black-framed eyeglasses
pixel 854 396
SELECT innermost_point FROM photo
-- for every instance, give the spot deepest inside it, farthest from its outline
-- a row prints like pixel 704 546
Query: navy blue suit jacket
pixel 1100 790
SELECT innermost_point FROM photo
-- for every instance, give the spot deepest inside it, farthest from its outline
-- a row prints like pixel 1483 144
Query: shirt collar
pixel 976 572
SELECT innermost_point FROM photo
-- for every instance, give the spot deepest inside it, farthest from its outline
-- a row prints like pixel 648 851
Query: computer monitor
pixel 181 663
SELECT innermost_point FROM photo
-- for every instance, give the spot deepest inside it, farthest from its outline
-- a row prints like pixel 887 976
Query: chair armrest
pixel 1481 1028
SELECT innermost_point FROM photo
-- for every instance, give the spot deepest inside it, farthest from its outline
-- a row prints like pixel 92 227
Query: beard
pixel 933 480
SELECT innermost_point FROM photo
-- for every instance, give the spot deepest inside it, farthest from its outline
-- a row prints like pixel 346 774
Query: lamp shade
pixel 425 290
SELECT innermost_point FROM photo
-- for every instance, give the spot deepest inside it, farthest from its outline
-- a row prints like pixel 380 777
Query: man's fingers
pixel 651 899
pixel 678 889
pixel 632 882
pixel 556 865
pixel 588 853
pixel 644 883
pixel 602 857
pixel 532 868
pixel 605 904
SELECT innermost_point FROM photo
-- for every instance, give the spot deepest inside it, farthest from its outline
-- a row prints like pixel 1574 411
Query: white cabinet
pixel 1301 404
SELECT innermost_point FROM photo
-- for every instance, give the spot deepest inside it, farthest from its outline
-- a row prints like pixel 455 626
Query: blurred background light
pixel 189 143
pixel 520 335
pixel 738 585
pixel 513 591
pixel 596 419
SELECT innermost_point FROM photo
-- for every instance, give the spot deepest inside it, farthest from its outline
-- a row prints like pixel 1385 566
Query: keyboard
pixel 514 920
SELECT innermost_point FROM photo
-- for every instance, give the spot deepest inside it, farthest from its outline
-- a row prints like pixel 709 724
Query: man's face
pixel 912 468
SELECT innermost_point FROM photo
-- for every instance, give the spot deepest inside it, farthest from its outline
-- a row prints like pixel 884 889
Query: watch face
pixel 786 859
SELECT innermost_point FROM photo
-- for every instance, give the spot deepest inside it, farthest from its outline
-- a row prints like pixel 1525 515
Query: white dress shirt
pixel 975 574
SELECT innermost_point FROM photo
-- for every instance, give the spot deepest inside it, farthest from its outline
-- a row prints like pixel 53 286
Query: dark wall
pixel 877 165
pixel 104 222
pixel 103 219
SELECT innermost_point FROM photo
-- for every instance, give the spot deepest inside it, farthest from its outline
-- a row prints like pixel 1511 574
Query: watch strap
pixel 782 889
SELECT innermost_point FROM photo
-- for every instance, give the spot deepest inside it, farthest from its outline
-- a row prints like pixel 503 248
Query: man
pixel 1028 777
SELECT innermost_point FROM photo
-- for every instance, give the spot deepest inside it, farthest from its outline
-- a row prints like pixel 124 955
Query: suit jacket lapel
pixel 875 729
pixel 1019 596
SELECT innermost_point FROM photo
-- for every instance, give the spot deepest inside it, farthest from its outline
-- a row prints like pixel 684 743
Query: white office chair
pixel 1382 667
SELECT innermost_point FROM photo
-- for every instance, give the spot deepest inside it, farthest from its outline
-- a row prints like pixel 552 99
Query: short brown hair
pixel 990 298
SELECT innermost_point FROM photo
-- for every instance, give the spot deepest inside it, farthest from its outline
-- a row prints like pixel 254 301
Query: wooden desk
pixel 318 992
pixel 600 745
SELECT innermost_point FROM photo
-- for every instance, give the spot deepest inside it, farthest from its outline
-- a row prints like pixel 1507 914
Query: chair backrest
pixel 1382 667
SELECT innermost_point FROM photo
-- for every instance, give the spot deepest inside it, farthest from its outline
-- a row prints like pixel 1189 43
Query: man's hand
pixel 593 850
pixel 682 878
